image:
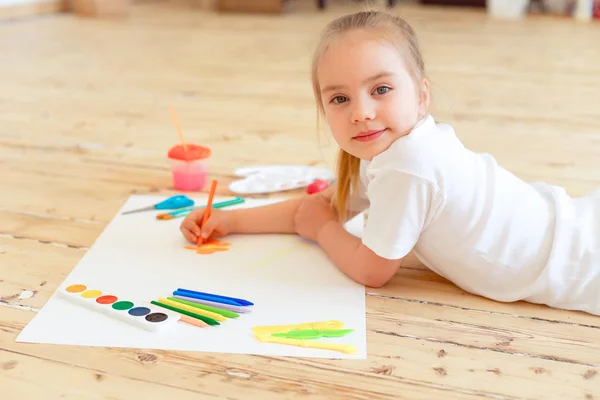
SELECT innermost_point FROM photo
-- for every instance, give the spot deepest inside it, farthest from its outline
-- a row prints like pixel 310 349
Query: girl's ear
pixel 424 97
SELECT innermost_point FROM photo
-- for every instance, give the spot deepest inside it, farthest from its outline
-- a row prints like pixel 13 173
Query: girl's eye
pixel 382 90
pixel 339 99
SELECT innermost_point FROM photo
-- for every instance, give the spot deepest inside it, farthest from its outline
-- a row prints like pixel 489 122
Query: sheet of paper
pixel 290 281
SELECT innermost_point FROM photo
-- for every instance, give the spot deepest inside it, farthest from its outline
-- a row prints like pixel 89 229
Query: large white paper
pixel 290 280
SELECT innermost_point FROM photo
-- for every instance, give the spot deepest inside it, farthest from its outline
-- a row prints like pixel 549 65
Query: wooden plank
pixel 501 332
pixel 425 286
pixel 17 10
pixel 415 367
pixel 255 6
pixel 212 374
pixel 66 381
pixel 101 8
pixel 77 234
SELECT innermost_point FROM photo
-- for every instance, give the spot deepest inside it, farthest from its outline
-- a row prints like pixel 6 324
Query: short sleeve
pixel 402 206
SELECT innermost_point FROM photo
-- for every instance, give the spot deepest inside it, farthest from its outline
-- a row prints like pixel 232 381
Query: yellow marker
pixel 209 314
pixel 343 348
pixel 262 330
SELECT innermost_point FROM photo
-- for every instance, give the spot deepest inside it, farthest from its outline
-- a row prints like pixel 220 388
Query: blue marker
pixel 212 297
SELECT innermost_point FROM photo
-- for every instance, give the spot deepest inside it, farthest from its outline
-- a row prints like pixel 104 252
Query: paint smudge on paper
pixel 210 246
pixel 279 254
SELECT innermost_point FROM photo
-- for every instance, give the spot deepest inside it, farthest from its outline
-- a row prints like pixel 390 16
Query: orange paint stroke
pixel 210 246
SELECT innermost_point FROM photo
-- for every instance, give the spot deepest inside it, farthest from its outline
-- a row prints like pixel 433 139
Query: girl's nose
pixel 362 111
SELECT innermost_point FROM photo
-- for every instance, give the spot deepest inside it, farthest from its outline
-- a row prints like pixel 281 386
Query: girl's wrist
pixel 232 222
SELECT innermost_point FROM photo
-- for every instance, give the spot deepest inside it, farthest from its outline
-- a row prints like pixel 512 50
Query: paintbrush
pixel 182 212
pixel 211 195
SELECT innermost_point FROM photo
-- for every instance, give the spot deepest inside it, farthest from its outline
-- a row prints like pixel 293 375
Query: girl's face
pixel 369 98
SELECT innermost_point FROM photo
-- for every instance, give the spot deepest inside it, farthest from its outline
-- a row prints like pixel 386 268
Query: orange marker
pixel 208 209
pixel 193 321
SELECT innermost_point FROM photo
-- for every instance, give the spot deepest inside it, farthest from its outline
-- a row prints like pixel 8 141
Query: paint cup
pixel 188 166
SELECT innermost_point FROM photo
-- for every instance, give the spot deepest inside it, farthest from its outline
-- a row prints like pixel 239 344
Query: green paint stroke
pixel 307 334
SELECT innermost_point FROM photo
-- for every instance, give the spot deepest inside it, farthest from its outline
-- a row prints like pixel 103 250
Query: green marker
pixel 208 320
pixel 308 334
pixel 220 311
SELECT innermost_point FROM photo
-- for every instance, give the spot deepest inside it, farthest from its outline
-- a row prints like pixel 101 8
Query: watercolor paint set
pixel 140 314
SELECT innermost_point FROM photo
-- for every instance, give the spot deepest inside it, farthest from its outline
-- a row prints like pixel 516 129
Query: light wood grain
pixel 396 364
pixel 36 8
pixel 84 123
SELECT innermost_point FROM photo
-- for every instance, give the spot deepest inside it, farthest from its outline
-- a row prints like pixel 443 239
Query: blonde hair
pixel 400 34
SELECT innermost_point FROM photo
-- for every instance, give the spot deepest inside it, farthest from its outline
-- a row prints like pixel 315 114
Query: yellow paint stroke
pixel 263 334
pixel 280 254
pixel 324 325
pixel 343 348
pixel 272 257
pixel 210 246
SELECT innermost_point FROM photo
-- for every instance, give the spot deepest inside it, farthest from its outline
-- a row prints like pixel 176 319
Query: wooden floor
pixel 84 123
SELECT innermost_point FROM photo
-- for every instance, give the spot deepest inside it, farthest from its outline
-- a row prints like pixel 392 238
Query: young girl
pixel 462 215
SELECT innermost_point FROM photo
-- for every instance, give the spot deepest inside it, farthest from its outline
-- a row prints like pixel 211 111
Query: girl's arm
pixel 278 217
pixel 272 218
pixel 355 259
pixel 317 220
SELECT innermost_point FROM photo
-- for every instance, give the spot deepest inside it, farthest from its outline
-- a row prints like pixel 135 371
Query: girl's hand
pixel 217 224
pixel 312 215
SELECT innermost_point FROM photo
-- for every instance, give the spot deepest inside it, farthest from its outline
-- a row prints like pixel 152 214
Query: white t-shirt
pixel 477 224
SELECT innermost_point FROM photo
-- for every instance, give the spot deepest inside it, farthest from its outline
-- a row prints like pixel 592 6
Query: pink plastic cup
pixel 189 166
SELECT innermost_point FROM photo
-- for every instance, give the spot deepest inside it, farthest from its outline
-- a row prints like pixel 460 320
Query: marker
pixel 224 313
pixel 204 313
pixel 213 297
pixel 193 321
pixel 209 321
pixel 222 306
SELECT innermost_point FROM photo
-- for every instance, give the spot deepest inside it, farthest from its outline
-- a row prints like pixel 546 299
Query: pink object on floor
pixel 317 186
pixel 189 167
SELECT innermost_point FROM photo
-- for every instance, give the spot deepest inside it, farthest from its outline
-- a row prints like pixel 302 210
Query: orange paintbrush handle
pixel 211 195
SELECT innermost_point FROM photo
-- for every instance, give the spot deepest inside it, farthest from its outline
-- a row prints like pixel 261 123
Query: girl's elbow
pixel 376 281
pixel 376 276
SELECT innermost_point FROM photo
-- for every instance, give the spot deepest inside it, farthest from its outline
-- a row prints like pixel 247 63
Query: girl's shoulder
pixel 427 148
